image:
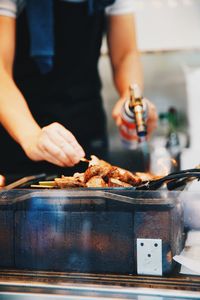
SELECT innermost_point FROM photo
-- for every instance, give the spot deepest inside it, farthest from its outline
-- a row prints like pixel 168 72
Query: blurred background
pixel 168 34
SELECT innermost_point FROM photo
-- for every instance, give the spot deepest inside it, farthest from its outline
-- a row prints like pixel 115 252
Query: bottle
pixel 173 142
pixel 163 125
pixel 133 119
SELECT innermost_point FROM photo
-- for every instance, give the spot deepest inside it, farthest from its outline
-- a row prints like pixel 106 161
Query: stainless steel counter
pixel 103 293
pixel 44 286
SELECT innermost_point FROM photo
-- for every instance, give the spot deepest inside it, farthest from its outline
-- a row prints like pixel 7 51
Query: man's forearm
pixel 14 112
pixel 129 70
pixel 53 143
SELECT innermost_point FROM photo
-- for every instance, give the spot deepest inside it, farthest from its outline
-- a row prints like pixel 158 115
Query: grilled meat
pixel 125 176
pixel 100 174
pixel 95 161
pixel 69 182
pixel 97 170
pixel 113 182
pixel 96 181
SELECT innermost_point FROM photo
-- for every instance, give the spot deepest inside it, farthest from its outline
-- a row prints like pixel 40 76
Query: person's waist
pixel 51 86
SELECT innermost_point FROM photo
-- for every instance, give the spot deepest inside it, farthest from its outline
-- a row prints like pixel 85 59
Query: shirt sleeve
pixel 11 8
pixel 120 7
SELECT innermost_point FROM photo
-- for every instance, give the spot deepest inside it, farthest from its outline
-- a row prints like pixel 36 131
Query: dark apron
pixel 69 94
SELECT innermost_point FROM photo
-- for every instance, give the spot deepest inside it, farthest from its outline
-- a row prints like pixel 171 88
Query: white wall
pixel 167 24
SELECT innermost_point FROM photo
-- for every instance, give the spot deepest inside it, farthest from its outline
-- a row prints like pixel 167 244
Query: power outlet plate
pixel 149 257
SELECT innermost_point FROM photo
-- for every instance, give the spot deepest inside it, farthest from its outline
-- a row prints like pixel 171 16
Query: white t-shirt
pixel 12 8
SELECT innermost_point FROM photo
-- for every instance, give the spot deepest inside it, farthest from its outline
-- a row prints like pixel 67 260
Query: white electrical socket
pixel 149 256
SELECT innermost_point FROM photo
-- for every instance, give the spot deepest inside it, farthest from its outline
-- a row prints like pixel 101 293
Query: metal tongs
pixel 173 181
pixel 25 181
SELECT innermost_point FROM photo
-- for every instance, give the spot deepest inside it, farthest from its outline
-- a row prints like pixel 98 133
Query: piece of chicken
pixel 79 176
pixel 67 182
pixel 125 176
pixel 96 182
pixel 97 170
pixel 113 182
pixel 98 167
pixel 95 161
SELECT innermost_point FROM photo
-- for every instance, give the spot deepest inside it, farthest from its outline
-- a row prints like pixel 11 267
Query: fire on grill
pixel 99 174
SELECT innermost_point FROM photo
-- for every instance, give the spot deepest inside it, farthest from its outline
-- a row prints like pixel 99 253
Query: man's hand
pixel 152 116
pixel 52 143
pixel 55 144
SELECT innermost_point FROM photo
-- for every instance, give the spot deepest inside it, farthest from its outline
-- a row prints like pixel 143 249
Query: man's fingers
pixel 71 154
pixel 70 138
pixel 152 116
pixel 151 126
pixel 117 109
pixel 152 112
pixel 48 156
pixel 55 144
pixel 52 152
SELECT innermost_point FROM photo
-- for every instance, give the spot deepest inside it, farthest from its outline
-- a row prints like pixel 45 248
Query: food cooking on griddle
pixel 99 174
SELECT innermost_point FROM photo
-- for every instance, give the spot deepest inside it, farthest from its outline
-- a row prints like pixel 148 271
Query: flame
pixel 164 166
pixel 174 162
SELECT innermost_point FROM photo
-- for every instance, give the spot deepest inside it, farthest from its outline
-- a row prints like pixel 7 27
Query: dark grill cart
pixel 50 238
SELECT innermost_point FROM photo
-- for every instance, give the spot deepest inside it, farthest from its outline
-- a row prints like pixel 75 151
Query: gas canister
pixel 133 119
